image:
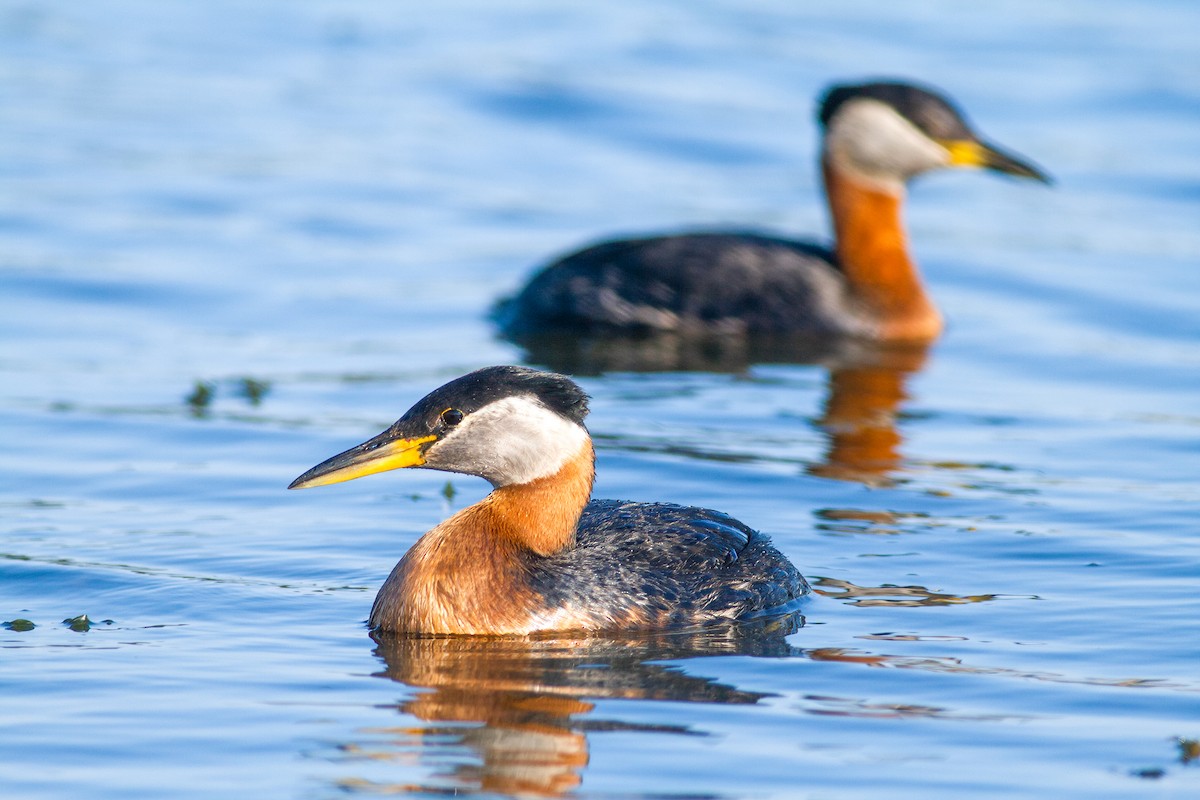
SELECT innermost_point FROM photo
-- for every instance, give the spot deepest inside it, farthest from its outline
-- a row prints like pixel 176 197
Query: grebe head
pixel 888 132
pixel 509 425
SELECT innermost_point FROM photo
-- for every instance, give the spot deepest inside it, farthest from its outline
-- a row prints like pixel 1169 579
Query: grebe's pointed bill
pixel 973 153
pixel 381 453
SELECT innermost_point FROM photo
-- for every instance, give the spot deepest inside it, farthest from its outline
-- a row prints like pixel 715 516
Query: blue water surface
pixel 238 238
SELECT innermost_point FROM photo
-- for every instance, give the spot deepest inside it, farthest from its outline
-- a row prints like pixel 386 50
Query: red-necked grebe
pixel 535 554
pixel 877 136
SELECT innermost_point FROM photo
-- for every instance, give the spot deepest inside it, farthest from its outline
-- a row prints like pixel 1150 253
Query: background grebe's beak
pixel 973 153
pixel 381 453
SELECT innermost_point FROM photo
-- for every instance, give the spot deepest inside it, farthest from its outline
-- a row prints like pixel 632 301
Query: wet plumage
pixel 676 563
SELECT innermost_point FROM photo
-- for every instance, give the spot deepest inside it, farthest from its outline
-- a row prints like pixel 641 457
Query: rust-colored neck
pixel 467 575
pixel 542 515
pixel 873 252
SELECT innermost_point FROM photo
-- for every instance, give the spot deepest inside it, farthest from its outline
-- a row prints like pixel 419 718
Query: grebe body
pixel 537 554
pixel 877 136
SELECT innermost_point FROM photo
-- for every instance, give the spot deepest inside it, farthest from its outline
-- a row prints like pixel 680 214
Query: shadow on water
pixel 512 715
pixel 867 383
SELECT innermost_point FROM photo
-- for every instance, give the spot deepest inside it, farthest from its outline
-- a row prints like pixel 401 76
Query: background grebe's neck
pixel 873 252
pixel 467 574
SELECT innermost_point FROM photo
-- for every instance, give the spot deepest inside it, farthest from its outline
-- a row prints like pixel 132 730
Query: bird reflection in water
pixel 867 383
pixel 860 414
pixel 512 715
pixel 892 595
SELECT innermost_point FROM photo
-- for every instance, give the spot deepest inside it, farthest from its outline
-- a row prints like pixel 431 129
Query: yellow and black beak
pixel 389 450
pixel 974 153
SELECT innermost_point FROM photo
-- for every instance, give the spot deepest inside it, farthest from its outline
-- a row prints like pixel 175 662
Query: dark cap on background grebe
pixel 876 137
pixel 537 554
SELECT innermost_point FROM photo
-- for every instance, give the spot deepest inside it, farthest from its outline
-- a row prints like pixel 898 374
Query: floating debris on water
pixel 83 623
pixel 253 389
pixel 201 397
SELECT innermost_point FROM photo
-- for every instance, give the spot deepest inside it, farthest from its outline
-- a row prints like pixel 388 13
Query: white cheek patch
pixel 511 441
pixel 874 140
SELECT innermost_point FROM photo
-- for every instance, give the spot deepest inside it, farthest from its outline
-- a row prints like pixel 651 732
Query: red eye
pixel 451 417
